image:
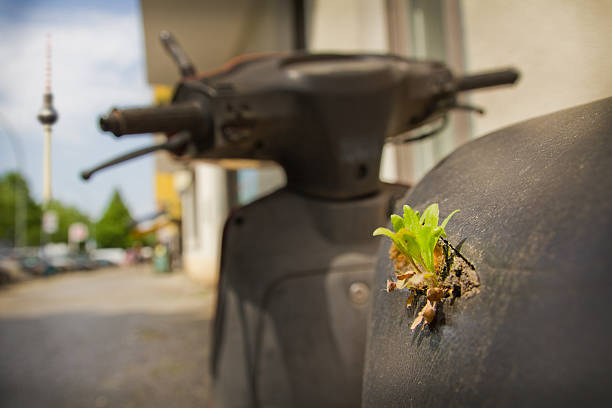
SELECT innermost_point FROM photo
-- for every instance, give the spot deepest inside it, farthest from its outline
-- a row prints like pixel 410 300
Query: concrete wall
pixel 346 25
pixel 212 31
pixel 205 209
pixel 562 47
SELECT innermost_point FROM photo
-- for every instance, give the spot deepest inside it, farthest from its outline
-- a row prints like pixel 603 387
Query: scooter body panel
pixel 294 297
pixel 536 216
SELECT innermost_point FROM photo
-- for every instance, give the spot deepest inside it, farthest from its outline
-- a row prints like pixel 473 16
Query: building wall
pixel 346 25
pixel 561 47
pixel 166 196
pixel 212 31
pixel 205 205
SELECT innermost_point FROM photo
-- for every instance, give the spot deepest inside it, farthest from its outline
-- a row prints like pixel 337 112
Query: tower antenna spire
pixel 48 66
pixel 47 116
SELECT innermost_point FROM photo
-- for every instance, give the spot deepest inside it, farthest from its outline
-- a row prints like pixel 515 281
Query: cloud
pixel 98 62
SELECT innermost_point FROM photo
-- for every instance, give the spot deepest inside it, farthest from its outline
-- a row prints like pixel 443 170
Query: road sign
pixel 77 232
pixel 49 222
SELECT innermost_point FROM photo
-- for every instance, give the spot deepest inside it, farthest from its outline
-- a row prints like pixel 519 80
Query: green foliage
pixel 149 240
pixel 66 216
pixel 15 196
pixel 112 230
pixel 416 236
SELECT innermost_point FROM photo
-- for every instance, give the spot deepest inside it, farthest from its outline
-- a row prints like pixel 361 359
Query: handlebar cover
pixel 335 110
pixel 487 79
pixel 163 119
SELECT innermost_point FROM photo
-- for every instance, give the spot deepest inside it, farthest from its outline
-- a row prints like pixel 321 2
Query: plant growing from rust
pixel 416 237
pixel 418 255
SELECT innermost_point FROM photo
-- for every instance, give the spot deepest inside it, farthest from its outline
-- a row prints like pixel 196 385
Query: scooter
pixel 297 270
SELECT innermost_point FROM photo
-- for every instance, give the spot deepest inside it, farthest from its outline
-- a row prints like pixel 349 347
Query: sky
pixel 98 62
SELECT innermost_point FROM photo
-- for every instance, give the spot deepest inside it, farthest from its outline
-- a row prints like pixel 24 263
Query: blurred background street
pixel 120 336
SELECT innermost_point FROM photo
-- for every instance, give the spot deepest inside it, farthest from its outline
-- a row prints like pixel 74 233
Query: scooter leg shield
pixel 294 298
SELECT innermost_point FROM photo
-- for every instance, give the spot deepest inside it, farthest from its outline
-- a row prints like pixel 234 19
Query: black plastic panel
pixel 288 332
pixel 536 216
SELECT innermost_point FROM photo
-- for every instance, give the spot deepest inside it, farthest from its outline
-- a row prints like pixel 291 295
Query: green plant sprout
pixel 416 237
pixel 418 257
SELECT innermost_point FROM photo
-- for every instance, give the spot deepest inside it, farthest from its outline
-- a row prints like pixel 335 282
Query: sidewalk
pixel 121 337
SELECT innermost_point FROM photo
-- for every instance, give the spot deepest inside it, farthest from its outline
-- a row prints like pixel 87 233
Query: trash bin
pixel 161 259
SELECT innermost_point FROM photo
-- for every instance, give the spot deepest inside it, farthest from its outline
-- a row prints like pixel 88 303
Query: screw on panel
pixel 359 293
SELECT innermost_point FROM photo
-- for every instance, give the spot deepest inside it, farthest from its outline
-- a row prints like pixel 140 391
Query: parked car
pixel 83 262
pixel 104 263
pixel 35 265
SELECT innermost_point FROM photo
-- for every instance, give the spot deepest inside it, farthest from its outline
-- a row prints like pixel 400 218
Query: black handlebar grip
pixel 164 119
pixel 487 79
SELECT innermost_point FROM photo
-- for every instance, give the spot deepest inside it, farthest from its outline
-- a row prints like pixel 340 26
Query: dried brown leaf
pixel 416 322
pixel 409 300
pixel 429 312
pixel 426 314
pixel 435 294
pixel 405 275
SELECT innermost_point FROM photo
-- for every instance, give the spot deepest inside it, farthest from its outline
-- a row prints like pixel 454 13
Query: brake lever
pixel 174 144
pixel 177 53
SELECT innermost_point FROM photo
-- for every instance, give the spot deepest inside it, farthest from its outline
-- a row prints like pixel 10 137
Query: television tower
pixel 47 116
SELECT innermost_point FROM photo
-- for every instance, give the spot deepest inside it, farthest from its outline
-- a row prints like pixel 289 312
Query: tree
pixel 112 230
pixel 15 193
pixel 66 216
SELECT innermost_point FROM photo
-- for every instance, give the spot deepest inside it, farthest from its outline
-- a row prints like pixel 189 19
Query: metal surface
pixel 536 216
pixel 47 114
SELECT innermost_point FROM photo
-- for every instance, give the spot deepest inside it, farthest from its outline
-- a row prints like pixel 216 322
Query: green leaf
pixel 423 239
pixel 430 216
pixel 397 222
pixel 435 236
pixel 416 236
pixel 411 220
pixel 394 236
pixel 384 231
pixel 403 241
pixel 408 243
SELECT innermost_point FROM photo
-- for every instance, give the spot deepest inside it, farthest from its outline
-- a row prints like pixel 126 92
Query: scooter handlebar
pixel 487 79
pixel 164 119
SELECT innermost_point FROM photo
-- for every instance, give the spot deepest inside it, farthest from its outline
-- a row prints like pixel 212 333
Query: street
pixel 118 337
